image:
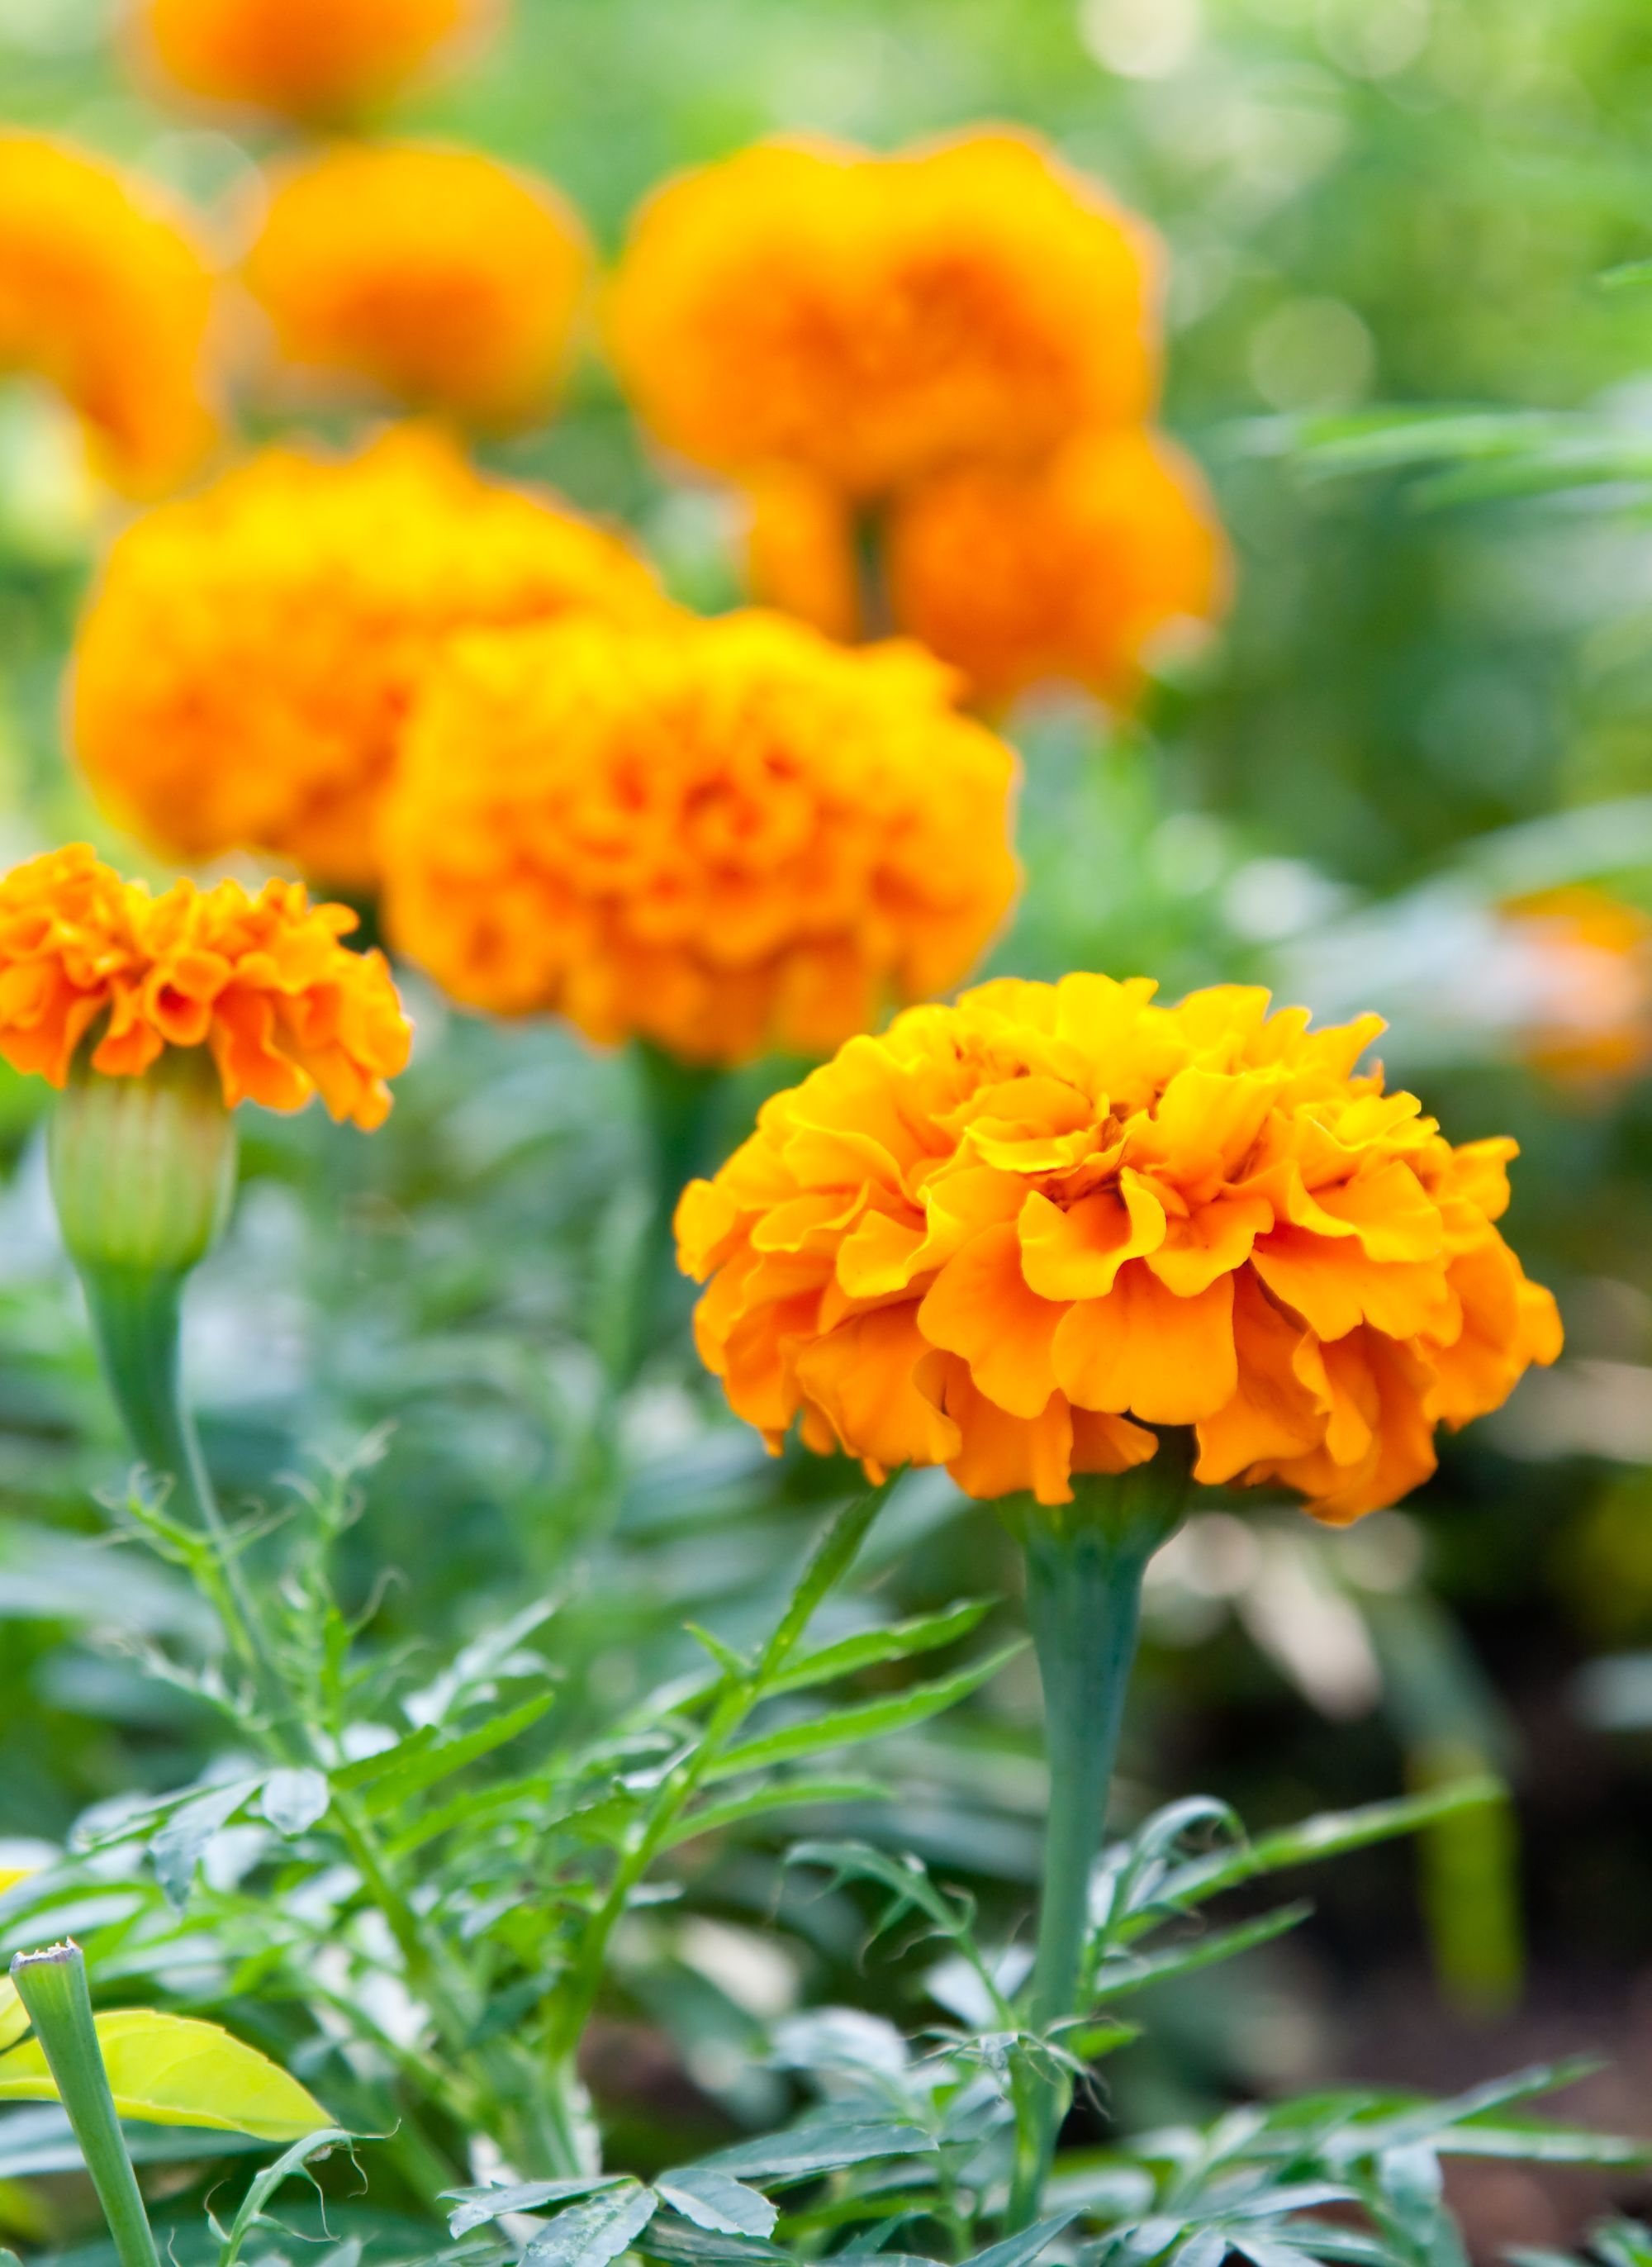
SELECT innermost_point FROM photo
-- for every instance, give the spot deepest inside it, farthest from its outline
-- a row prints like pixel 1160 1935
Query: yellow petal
pixel 1142 1349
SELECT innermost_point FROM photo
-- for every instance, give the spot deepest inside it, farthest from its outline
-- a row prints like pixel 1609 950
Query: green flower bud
pixel 143 1170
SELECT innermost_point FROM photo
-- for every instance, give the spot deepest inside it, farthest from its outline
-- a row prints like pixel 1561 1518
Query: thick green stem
pixel 874 604
pixel 52 1986
pixel 1084 1563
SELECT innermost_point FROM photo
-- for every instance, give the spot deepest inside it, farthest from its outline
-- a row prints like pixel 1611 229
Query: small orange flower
pixel 870 318
pixel 440 277
pixel 721 836
pixel 286 1010
pixel 1072 570
pixel 1014 1235
pixel 241 675
pixel 106 294
pixel 310 59
pixel 1587 994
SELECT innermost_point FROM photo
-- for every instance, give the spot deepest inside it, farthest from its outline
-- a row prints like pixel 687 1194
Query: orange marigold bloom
pixel 1012 1236
pixel 869 318
pixel 720 836
pixel 243 670
pixel 314 59
pixel 441 277
pixel 1072 570
pixel 287 1010
pixel 106 294
pixel 1587 993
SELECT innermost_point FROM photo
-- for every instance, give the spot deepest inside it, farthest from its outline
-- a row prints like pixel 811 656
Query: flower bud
pixel 143 1169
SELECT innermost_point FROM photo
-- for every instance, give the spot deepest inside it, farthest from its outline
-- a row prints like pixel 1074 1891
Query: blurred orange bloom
pixel 443 279
pixel 106 294
pixel 721 837
pixel 1072 570
pixel 1011 1235
pixel 1589 1017
pixel 243 667
pixel 287 1010
pixel 310 59
pixel 870 318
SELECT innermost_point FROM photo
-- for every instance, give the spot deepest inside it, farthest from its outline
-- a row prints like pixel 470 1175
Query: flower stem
pixel 874 606
pixel 52 1986
pixel 1085 1565
pixel 679 1104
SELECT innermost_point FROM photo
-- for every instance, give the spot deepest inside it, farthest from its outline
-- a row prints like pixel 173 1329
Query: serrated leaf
pixel 265 2184
pixel 869 1720
pixel 177 1849
pixel 717 2202
pixel 294 1801
pixel 174 2070
pixel 591 2234
pixel 778 1794
pixel 822 2145
pixel 870 1648
pixel 477 2206
pixel 1115 1977
pixel 421 1761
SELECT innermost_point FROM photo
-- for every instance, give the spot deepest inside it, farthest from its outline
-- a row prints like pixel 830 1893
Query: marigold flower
pixel 720 836
pixel 869 318
pixel 106 294
pixel 314 59
pixel 441 277
pixel 286 1011
pixel 242 673
pixel 1014 1235
pixel 1586 983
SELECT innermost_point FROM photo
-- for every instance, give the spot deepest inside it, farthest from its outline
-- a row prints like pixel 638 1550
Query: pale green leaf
pixel 871 1719
pixel 174 2070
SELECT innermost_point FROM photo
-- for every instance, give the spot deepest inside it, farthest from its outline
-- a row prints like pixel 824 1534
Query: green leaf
pixel 14 2018
pixel 830 1559
pixel 1328 1834
pixel 265 2185
pixel 1021 2250
pixel 776 1794
pixel 418 1761
pixel 717 2202
pixel 176 1849
pixel 591 2234
pixel 1115 1977
pixel 173 2070
pixel 295 1800
pixel 477 2206
pixel 870 1719
pixel 821 2145
pixel 869 1649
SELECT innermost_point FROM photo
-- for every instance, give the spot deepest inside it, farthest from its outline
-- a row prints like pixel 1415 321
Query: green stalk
pixel 679 1106
pixel 52 1986
pixel 1085 1565
pixel 874 604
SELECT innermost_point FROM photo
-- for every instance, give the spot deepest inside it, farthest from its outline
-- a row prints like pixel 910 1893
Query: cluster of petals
pixel 869 318
pixel 242 671
pixel 436 277
pixel 718 835
pixel 309 59
pixel 288 1011
pixel 1075 570
pixel 1015 1235
pixel 106 294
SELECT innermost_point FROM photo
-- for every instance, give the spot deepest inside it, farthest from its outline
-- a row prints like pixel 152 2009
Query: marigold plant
pixel 439 277
pixel 868 319
pixel 287 1010
pixel 313 59
pixel 720 836
pixel 106 293
pixel 244 668
pixel 1014 1236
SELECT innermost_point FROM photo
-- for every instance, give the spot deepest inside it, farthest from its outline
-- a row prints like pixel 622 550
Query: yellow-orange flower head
pixel 439 277
pixel 1586 959
pixel 243 670
pixel 309 59
pixel 1012 1236
pixel 105 295
pixel 286 1011
pixel 722 836
pixel 869 318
